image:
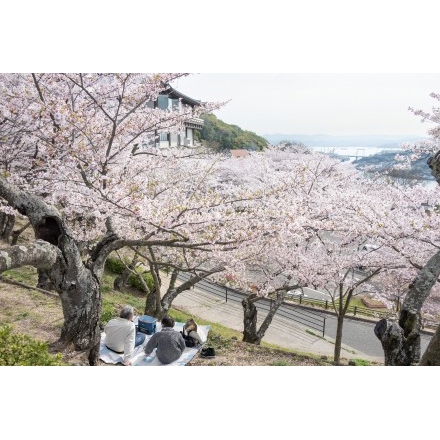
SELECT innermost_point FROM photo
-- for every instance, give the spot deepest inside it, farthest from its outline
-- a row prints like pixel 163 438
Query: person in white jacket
pixel 121 336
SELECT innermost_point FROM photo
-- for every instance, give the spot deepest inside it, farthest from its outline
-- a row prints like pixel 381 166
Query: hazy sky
pixel 318 103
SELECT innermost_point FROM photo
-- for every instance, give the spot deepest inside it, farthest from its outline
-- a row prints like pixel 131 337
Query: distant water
pixel 354 152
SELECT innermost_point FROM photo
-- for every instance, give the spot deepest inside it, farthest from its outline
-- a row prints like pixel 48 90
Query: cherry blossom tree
pixel 304 219
pixel 83 176
pixel 317 216
pixel 401 339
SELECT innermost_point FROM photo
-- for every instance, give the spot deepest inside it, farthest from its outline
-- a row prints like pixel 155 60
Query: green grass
pixel 280 364
pixel 360 363
pixel 26 274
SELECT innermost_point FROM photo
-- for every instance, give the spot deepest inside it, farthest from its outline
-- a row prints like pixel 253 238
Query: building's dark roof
pixel 173 93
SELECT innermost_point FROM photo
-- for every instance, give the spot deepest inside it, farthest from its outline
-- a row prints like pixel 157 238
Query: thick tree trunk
pixel 79 291
pixel 401 340
pixel 81 300
pixel 77 285
pixel 398 349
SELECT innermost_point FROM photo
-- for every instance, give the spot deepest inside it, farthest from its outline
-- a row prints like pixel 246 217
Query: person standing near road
pixel 169 343
pixel 121 336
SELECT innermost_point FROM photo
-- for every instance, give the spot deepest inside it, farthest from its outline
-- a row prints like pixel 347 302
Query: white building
pixel 171 99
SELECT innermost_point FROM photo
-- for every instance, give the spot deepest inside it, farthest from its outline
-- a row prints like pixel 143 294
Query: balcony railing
pixel 196 123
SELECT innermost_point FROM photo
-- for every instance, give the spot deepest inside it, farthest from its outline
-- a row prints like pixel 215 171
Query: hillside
pixel 38 314
pixel 323 140
pixel 220 136
pixel 386 160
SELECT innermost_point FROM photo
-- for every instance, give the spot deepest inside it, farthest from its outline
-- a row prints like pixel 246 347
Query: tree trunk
pixel 7 222
pixel 340 313
pixel 16 234
pixel 82 306
pixel 153 302
pixel 338 339
pixel 150 303
pixel 401 340
pixel 77 285
pixel 156 291
pixel 44 281
pixel 398 349
pixel 431 356
pixel 80 292
pixel 173 291
pixel 273 308
pixel 121 280
pixel 250 320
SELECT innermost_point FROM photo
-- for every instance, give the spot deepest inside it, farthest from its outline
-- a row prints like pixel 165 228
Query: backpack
pixel 189 341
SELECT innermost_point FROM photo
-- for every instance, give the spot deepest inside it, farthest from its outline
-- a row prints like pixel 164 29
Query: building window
pixel 162 102
pixel 175 104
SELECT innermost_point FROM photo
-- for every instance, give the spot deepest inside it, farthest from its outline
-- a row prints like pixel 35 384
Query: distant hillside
pixel 221 136
pixel 323 140
pixel 385 160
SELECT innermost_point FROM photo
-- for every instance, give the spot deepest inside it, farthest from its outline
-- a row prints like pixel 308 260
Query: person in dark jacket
pixel 169 344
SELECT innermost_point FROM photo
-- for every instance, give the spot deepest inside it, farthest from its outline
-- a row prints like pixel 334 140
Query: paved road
pixel 358 341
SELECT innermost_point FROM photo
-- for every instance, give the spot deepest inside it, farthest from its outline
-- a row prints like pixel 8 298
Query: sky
pixel 318 103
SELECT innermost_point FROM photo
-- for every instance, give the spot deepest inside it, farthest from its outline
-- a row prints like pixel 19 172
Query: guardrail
pixel 305 317
pixel 326 304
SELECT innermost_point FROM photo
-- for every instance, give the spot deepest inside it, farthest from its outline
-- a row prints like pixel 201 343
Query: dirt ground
pixel 39 315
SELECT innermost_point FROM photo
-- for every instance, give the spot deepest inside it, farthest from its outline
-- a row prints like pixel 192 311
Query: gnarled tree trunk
pixel 401 340
pixel 77 285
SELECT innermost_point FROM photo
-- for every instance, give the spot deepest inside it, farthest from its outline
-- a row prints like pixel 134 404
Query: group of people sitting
pixel 122 337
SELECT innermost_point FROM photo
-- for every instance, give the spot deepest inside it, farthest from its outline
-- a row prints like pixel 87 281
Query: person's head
pixel 190 325
pixel 127 312
pixel 167 321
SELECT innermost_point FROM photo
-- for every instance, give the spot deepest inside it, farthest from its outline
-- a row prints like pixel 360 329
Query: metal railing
pixel 305 317
pixel 353 310
pixel 300 314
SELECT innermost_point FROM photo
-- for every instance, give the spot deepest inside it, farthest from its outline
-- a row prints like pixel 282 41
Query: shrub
pixel 22 350
pixel 115 265
pixel 359 363
pixel 134 281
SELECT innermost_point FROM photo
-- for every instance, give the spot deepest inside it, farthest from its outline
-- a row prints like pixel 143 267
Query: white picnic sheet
pixel 140 360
